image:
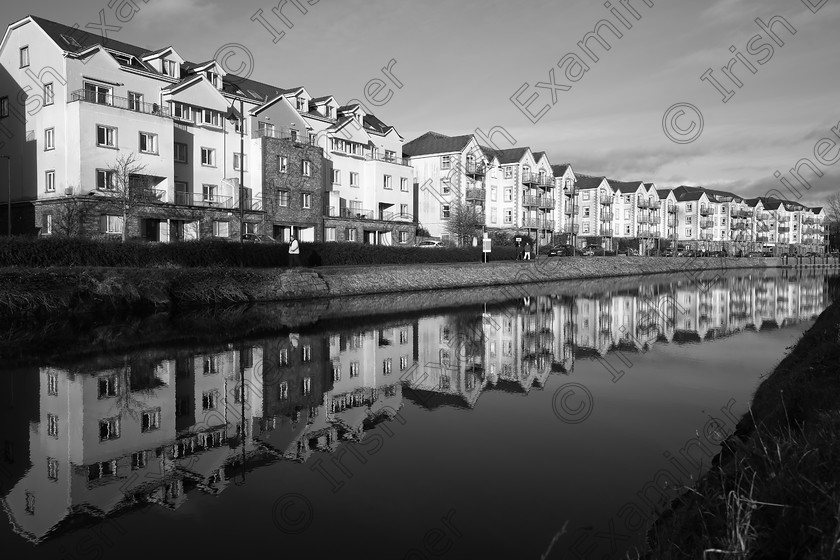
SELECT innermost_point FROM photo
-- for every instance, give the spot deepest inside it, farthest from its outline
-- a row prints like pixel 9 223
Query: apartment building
pixel 214 155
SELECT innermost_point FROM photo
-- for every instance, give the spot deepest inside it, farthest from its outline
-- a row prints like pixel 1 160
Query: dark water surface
pixel 552 424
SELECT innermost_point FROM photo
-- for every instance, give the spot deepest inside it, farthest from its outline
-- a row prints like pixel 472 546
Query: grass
pixel 775 489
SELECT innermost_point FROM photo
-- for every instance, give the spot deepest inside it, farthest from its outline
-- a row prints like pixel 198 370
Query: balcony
pixel 607 216
pixel 707 224
pixel 606 231
pixel 290 134
pixel 204 200
pixel 537 223
pixel 784 219
pixel 707 236
pixel 536 179
pixel 808 221
pixel 784 229
pixel 571 209
pixel 475 169
pixel 784 239
pixel 672 221
pixel 761 216
pixel 476 194
pixel 672 208
pixel 643 203
pixel 568 228
pixel 655 204
pixel 736 225
pixel 119 102
pixel 706 210
pixel 643 219
pixel 356 213
pixel 387 158
pixel 538 201
pixel 607 201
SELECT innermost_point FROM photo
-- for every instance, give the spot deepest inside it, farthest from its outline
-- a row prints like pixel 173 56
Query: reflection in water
pixel 96 439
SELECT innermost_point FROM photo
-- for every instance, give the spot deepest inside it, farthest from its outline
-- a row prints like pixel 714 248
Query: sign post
pixel 486 246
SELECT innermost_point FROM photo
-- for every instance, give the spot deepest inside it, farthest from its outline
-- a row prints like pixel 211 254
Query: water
pixel 550 425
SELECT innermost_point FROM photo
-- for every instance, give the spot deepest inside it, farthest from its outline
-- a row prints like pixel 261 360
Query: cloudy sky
pixel 460 62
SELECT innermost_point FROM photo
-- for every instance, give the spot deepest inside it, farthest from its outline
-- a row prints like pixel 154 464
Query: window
pixel 305 200
pixel 688 220
pixel 24 57
pixel 211 117
pixel 111 223
pixel 108 386
pixel 49 139
pixel 689 207
pixel 266 129
pixel 212 77
pixel 283 198
pixel 52 425
pixel 283 390
pixel 168 67
pixel 493 192
pixel 138 460
pixel 52 468
pixel 148 143
pixel 307 385
pixel 350 234
pixel 307 353
pixel 221 229
pixel 445 162
pixel 48 224
pixel 508 194
pixel 586 211
pixel 210 365
pixel 386 183
pixel 96 93
pixel 404 184
pixel 52 384
pixel 584 195
pixel 181 151
pixel 4 107
pixel 386 366
pixel 329 234
pixel 208 193
pixel 300 103
pixel 239 160
pixel 403 363
pixel 508 173
pixel 283 357
pixel 49 180
pixel 208 157
pixel 30 503
pixel 106 136
pixel 336 367
pixel 49 94
pixel 404 211
pixel 508 216
pixel 585 228
pixel 282 164
pixel 403 237
pixel 688 232
pixel 354 179
pixel 109 428
pixel 336 177
pixel 493 216
pixel 182 112
pixel 445 211
pixel 626 213
pixel 208 400
pixel 150 420
pixel 306 168
pixel 135 101
pixel 354 369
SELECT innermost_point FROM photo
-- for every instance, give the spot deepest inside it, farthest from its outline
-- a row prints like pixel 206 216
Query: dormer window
pixel 213 78
pixel 328 111
pixel 301 103
pixel 169 68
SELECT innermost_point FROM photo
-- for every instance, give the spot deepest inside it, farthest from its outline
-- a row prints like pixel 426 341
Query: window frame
pixel 49 180
pixel 114 137
pixel 49 139
pixel 49 94
pixel 24 56
pixel 149 136
pixel 186 154
pixel 211 152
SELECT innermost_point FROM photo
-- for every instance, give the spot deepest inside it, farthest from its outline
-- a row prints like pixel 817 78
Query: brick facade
pixel 372 231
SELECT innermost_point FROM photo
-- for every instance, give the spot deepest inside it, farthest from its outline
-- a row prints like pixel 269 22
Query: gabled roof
pixel 625 187
pixel 663 193
pixel 435 143
pixel 374 124
pixel 84 39
pixel 511 155
pixel 560 170
pixel 685 193
pixel 323 99
pixel 588 182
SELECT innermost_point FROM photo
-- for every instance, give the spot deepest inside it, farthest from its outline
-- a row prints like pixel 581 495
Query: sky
pixel 461 64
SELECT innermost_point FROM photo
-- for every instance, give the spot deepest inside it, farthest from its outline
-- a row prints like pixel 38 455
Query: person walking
pixel 527 254
pixel 294 252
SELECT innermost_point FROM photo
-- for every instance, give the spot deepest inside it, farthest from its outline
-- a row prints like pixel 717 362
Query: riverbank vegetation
pixel 774 490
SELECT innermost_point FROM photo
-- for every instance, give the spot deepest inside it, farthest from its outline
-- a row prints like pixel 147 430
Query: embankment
pixel 774 489
pixel 25 291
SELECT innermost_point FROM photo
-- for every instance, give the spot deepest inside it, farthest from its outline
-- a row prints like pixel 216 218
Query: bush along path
pixel 774 489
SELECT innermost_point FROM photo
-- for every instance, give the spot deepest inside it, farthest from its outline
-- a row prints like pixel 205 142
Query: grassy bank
pixel 774 490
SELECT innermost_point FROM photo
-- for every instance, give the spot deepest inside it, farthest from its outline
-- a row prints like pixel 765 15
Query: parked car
pixel 561 251
pixel 257 238
pixel 767 253
pixel 430 243
pixel 629 251
pixel 754 254
pixel 591 250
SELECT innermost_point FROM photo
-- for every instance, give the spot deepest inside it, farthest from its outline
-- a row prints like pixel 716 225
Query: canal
pixel 553 424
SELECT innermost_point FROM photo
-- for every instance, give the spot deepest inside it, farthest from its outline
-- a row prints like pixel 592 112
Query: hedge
pixel 74 251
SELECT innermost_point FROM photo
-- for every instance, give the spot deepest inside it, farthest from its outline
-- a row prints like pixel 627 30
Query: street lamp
pixel 233 120
pixel 9 199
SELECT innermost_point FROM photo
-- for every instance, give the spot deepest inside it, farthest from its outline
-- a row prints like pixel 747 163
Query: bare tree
pixel 832 210
pixel 70 216
pixel 129 187
pixel 464 221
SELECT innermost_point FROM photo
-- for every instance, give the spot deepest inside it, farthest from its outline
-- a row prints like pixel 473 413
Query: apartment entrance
pixel 183 230
pixel 155 229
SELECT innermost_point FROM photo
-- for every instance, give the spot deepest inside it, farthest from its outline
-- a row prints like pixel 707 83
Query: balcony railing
pixel 655 204
pixel 808 221
pixel 607 200
pixel 475 169
pixel 643 219
pixel 672 221
pixel 762 216
pixel 783 219
pixel 538 201
pixel 706 210
pixel 568 228
pixel 784 229
pixel 476 194
pixel 643 203
pixel 706 224
pixel 287 134
pixel 607 215
pixel 606 231
pixel 736 225
pixel 200 199
pixel 539 179
pixel 707 236
pixel 119 102
pixel 537 223
pixel 672 208
pixel 571 209
pixel 388 158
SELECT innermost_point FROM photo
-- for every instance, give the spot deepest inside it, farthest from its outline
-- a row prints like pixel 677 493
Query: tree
pixel 70 216
pixel 464 222
pixel 832 210
pixel 129 187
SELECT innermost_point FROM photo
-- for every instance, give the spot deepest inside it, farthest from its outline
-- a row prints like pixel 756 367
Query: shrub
pixel 57 251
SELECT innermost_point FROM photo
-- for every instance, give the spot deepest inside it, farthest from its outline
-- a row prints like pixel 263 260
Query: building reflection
pixel 96 439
